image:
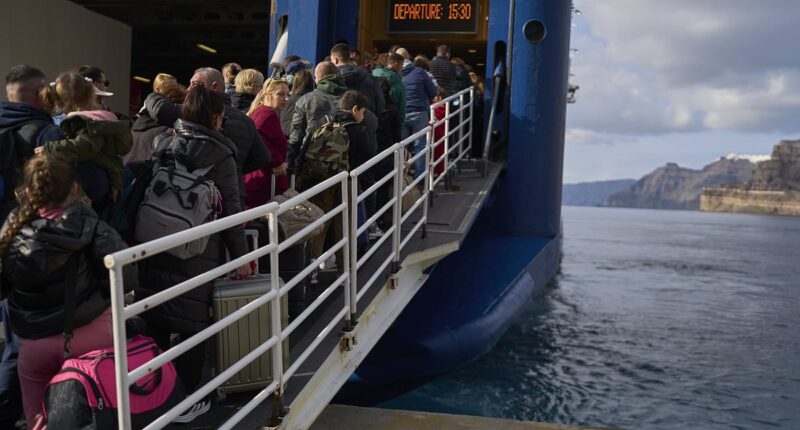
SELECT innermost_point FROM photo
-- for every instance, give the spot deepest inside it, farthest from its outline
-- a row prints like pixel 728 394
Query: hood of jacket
pixel 117 134
pixel 44 244
pixel 353 74
pixel 242 101
pixel 388 74
pixel 143 123
pixel 332 84
pixel 197 146
pixel 411 69
pixel 76 124
pixel 13 114
pixel 343 117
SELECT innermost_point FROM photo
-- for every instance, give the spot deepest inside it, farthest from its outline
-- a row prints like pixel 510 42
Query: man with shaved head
pixel 22 125
pixel 252 153
pixel 312 108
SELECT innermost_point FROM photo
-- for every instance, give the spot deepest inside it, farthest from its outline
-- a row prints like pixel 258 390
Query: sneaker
pixel 329 264
pixel 374 232
pixel 314 280
pixel 195 411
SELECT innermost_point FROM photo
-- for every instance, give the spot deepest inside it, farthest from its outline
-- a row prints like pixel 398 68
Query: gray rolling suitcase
pixel 241 337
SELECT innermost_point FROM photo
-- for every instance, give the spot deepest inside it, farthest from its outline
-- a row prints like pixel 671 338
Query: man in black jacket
pixel 443 70
pixel 358 79
pixel 22 123
pixel 252 154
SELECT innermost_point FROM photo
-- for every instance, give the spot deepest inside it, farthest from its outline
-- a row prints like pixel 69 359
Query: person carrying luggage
pixel 265 111
pixel 338 146
pixel 50 244
pixel 196 144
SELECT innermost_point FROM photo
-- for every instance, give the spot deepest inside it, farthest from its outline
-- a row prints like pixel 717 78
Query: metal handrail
pixel 462 136
pixel 120 313
pixel 348 280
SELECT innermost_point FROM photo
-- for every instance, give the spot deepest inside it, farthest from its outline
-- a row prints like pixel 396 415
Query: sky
pixel 684 81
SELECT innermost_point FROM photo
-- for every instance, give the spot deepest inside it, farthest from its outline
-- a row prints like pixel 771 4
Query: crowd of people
pixel 67 165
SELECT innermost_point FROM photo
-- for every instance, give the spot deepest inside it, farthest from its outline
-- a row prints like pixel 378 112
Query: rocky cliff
pixel 781 172
pixel 592 193
pixel 675 187
pixel 773 189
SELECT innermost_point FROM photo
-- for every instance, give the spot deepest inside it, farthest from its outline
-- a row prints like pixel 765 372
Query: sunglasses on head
pixel 88 79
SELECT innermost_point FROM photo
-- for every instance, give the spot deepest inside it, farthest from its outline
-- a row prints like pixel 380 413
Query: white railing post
pixel 120 344
pixel 446 172
pixel 353 242
pixel 431 140
pixel 275 307
pixel 397 212
pixel 349 287
pixel 427 187
pixel 461 126
pixel 471 119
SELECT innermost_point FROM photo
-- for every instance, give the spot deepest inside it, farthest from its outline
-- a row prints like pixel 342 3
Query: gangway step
pixel 336 417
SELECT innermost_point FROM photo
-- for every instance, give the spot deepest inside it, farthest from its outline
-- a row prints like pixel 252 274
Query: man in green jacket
pixel 391 72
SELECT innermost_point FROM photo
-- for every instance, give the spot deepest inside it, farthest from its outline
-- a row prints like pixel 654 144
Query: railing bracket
pixel 278 411
pixel 347 342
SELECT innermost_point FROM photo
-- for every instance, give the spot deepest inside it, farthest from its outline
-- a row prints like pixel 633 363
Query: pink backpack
pixel 83 393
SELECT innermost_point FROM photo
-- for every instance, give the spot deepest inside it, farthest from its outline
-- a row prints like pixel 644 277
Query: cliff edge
pixel 773 189
pixel 675 187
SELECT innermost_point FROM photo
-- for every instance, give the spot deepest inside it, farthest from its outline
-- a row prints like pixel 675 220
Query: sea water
pixel 658 320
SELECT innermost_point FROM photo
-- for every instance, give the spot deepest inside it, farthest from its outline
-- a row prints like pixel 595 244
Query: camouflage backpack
pixel 327 152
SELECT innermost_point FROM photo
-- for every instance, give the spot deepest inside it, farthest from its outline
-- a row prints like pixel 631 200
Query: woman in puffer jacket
pixel 49 234
pixel 196 143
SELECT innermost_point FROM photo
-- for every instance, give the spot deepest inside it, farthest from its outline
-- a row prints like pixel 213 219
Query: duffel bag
pixel 298 217
pixel 83 396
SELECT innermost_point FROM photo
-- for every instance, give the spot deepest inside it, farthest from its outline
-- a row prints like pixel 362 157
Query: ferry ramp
pixel 348 311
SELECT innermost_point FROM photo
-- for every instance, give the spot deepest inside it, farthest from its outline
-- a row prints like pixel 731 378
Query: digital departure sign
pixel 433 16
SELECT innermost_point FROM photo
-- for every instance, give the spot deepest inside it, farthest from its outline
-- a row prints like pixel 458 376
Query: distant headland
pixel 733 183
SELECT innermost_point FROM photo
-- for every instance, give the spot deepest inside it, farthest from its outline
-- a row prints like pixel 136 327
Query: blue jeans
pixel 416 121
pixel 10 395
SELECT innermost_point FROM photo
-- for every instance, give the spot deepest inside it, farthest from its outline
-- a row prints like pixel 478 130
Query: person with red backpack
pixel 52 250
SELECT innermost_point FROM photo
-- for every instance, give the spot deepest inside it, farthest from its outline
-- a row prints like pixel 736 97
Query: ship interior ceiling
pixel 166 33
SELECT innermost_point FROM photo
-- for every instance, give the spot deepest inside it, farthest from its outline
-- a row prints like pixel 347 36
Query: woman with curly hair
pixel 52 245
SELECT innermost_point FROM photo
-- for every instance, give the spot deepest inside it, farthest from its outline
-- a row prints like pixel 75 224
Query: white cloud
pixel 650 67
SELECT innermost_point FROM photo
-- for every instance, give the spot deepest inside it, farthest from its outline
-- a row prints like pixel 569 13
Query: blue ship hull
pixel 468 302
pixel 513 250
